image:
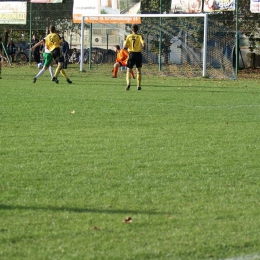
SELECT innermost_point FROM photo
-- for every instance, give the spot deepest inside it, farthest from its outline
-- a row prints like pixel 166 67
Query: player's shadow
pixel 81 210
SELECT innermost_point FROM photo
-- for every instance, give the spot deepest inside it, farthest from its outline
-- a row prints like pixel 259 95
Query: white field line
pixel 246 257
pixel 224 106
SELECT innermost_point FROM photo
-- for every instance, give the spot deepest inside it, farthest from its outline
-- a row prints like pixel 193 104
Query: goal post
pixel 192 48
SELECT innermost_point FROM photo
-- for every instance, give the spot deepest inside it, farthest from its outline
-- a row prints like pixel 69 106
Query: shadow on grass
pixel 81 210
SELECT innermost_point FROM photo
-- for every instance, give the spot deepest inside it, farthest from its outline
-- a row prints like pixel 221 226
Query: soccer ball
pixel 39 65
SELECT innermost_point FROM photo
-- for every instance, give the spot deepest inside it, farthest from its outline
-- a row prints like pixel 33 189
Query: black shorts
pixel 135 59
pixel 57 55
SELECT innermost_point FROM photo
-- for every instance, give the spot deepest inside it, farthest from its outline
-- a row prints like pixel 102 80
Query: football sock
pixel 132 74
pixel 51 71
pixel 138 79
pixel 62 72
pixel 115 71
pixel 57 71
pixel 128 77
pixel 40 73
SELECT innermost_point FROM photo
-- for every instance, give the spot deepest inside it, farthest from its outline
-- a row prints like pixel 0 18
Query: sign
pixel 122 19
pixel 255 6
pixel 91 8
pixel 219 5
pixel 186 6
pixel 46 1
pixel 195 6
pixel 13 12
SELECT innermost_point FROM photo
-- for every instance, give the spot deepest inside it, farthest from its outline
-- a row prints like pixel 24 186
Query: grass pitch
pixel 91 171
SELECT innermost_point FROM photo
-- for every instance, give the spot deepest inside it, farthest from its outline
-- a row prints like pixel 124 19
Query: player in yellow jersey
pixel 134 43
pixel 53 44
pixel 48 63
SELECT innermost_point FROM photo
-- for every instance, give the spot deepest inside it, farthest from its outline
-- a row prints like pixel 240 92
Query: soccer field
pixel 91 171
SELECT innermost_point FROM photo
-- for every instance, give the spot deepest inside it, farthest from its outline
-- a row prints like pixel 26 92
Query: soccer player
pixel 48 63
pixel 65 50
pixel 121 60
pixel 36 53
pixel 134 43
pixel 53 44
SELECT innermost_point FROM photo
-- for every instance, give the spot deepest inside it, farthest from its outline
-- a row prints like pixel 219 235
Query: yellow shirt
pixel 134 42
pixel 52 41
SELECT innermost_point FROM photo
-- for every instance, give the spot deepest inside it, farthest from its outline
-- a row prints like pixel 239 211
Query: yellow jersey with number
pixel 134 42
pixel 52 41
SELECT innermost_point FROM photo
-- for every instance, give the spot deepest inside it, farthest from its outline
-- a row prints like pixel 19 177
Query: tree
pixel 153 6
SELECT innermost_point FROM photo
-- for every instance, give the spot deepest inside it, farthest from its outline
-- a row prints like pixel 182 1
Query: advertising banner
pixel 46 1
pixel 255 6
pixel 186 6
pixel 195 6
pixel 219 5
pixel 13 12
pixel 88 8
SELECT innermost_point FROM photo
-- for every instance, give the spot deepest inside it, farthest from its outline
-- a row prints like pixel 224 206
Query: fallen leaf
pixel 128 220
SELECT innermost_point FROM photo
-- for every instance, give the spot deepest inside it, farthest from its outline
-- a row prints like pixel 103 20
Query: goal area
pixel 178 45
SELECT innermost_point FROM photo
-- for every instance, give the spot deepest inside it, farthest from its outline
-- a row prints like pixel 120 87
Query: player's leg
pixel 63 73
pixel 115 70
pixel 57 56
pixel 128 77
pixel 132 74
pixel 47 61
pixel 39 74
pixel 131 62
pixel 138 70
pixel 138 78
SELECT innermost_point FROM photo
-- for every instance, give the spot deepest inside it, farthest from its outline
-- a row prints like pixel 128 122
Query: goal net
pixel 176 45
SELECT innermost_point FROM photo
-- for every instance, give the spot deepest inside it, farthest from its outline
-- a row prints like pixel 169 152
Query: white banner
pixel 186 6
pixel 219 5
pixel 195 6
pixel 255 6
pixel 13 12
pixel 46 1
pixel 88 8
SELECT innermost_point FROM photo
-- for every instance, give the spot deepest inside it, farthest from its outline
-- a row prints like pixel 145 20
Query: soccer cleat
pixel 114 77
pixel 55 80
pixel 34 80
pixel 69 81
pixel 139 88
pixel 127 87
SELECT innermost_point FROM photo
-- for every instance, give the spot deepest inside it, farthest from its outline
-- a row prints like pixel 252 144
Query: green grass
pixel 180 157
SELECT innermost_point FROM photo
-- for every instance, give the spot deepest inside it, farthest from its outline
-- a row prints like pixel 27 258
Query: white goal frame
pixel 205 35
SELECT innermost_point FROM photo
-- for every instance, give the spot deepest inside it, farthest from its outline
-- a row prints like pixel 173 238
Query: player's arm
pixel 37 44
